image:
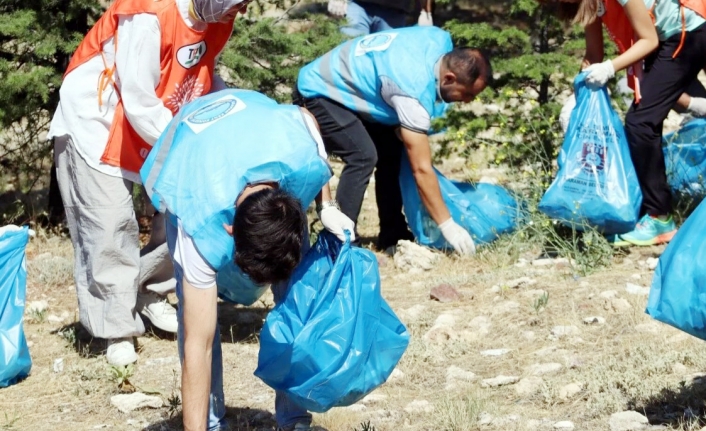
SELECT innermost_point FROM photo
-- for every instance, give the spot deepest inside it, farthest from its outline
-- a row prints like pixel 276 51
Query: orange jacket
pixel 187 63
pixel 622 33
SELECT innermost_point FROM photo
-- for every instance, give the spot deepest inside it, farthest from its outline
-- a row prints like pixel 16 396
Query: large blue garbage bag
pixel 486 211
pixel 333 339
pixel 235 286
pixel 596 184
pixel 678 293
pixel 685 159
pixel 15 361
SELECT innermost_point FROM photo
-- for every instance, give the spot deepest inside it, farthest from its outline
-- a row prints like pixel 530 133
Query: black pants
pixel 364 147
pixel 665 79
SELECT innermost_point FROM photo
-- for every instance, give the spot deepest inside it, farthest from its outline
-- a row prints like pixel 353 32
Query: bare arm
pixel 645 32
pixel 419 152
pixel 594 44
pixel 200 319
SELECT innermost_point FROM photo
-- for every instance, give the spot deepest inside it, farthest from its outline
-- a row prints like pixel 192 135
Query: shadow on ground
pixel 238 418
pixel 676 407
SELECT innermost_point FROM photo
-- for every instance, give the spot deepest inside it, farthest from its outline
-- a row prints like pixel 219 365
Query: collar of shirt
pixel 437 74
pixel 183 6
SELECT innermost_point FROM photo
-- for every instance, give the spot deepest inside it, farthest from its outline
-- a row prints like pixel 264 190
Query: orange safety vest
pixel 187 63
pixel 622 33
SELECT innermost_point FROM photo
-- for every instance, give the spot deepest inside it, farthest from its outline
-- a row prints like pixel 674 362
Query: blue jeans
pixel 286 412
pixel 367 18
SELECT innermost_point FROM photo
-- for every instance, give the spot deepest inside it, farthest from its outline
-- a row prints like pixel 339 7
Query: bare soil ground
pixel 565 369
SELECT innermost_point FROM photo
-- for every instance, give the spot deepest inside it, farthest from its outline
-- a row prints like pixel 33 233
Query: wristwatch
pixel 327 204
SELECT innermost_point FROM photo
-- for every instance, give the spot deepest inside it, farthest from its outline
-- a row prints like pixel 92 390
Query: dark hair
pixel 583 12
pixel 268 229
pixel 469 64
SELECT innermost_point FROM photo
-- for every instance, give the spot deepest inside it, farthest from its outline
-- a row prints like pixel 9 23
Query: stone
pixel 544 369
pixel 414 312
pixel 440 335
pixel 499 381
pixel 419 406
pixel 594 320
pixel 521 263
pixel 58 365
pixel 520 282
pixel 648 328
pixel 445 293
pixel 528 386
pixel 485 419
pixel 545 261
pixel 54 319
pixel 129 402
pixel 564 425
pixel 506 307
pixel 373 399
pixel 445 320
pixel 456 376
pixel 679 369
pixel 609 294
pixel 413 256
pixel 564 331
pixel 627 421
pixel 495 289
pixel 395 376
pixel 570 390
pixel 652 263
pixel 495 352
pixel 37 306
pixel 529 335
pixel 636 276
pixel 634 289
pixel 617 305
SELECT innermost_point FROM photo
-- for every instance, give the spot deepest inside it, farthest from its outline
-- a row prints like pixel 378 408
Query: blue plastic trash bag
pixel 485 210
pixel 685 159
pixel 15 361
pixel 333 339
pixel 234 286
pixel 596 184
pixel 678 294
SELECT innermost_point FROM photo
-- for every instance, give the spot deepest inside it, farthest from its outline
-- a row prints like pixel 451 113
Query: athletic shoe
pixel 651 231
pixel 616 241
pixel 158 311
pixel 121 352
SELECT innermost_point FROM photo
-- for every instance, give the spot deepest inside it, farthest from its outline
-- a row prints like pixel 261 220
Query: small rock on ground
pixel 499 381
pixel 544 369
pixel 564 331
pixel 129 402
pixel 419 406
pixel 521 282
pixel 445 320
pixel 413 256
pixel 627 421
pixel 456 376
pixel 570 391
pixel 495 352
pixel 445 293
pixel 528 386
pixel 414 312
pixel 617 305
pixel 395 376
pixel 652 263
pixel 634 289
pixel 37 306
pixel 594 320
pixel 564 425
pixel 440 334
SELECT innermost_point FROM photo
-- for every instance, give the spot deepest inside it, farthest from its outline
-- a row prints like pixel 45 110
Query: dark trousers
pixel 665 79
pixel 364 147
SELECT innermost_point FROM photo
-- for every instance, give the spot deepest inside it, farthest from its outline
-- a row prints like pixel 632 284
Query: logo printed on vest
pixel 190 55
pixel 184 93
pixel 374 42
pixel 601 9
pixel 211 113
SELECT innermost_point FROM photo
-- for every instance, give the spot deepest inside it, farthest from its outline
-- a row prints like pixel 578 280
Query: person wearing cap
pixel 374 98
pixel 138 65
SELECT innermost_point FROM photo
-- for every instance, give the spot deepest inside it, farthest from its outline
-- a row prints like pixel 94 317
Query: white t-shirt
pixel 137 62
pixel 196 269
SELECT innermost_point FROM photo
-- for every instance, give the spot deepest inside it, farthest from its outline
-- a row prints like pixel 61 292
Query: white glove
pixel 336 222
pixel 599 74
pixel 458 237
pixel 338 8
pixel 697 107
pixel 425 19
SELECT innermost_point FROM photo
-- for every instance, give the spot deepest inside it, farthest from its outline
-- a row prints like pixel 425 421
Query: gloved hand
pixel 338 8
pixel 336 222
pixel 697 107
pixel 599 74
pixel 425 19
pixel 458 237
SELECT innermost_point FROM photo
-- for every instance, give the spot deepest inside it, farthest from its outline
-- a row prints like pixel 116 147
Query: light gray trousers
pixel 109 266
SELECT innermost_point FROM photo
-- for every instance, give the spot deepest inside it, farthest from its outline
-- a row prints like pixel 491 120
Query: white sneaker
pixel 158 310
pixel 121 352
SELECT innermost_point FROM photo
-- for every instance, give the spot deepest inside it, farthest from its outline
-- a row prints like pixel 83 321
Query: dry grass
pixel 631 362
